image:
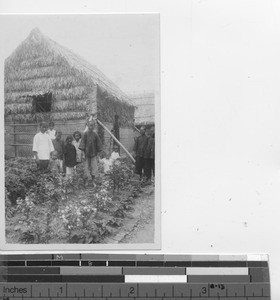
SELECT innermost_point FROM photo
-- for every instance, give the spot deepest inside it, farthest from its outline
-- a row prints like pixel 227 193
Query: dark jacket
pixel 140 145
pixel 90 144
pixel 70 156
pixel 59 147
pixel 150 149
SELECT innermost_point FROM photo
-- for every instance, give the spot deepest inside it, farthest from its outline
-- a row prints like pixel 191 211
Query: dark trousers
pixel 43 164
pixel 139 165
pixel 149 168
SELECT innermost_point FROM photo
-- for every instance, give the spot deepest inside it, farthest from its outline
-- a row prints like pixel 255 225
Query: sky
pixel 124 47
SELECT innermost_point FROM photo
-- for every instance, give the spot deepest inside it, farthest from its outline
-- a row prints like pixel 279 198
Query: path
pixel 138 227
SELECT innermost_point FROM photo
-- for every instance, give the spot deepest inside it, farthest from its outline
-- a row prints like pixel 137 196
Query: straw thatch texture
pixel 40 66
pixel 108 107
pixel 145 108
pixel 78 92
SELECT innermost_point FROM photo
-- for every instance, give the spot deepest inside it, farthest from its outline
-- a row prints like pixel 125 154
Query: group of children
pixel 63 156
pixel 58 156
pixel 52 153
pixel 108 160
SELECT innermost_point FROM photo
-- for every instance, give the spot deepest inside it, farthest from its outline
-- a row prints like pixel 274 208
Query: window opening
pixel 42 103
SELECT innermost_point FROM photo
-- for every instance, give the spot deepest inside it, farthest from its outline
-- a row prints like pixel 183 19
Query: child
pixel 55 165
pixel 91 119
pixel 42 147
pixel 51 132
pixel 58 146
pixel 115 154
pixel 69 156
pixel 106 161
pixel 76 142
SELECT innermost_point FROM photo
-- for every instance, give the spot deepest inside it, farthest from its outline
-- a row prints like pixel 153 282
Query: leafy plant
pixel 42 202
pixel 76 219
pixel 35 222
pixel 120 175
pixel 103 196
pixel 20 175
pixel 115 222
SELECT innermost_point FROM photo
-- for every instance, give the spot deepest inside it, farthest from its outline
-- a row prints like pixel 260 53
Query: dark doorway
pixel 42 103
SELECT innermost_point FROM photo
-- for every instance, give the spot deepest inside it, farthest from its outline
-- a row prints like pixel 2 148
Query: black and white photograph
pixel 81 112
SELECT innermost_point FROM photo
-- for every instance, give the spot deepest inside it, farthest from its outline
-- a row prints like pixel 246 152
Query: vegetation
pixel 51 208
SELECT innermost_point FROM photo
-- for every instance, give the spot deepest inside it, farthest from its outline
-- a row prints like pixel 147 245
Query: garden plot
pixel 47 208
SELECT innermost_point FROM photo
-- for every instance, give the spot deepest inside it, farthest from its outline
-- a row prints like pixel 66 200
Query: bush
pixel 120 175
pixel 20 175
pixel 46 212
pixel 35 221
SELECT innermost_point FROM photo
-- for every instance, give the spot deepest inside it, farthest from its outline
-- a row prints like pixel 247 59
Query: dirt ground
pixel 138 226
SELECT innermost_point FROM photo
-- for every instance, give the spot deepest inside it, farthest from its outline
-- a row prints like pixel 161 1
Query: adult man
pixel 91 145
pixel 42 147
pixel 139 150
pixel 149 155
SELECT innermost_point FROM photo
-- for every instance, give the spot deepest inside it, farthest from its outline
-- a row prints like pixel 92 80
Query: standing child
pixel 90 119
pixel 42 147
pixel 106 162
pixel 58 146
pixel 51 131
pixel 115 154
pixel 69 156
pixel 55 166
pixel 76 142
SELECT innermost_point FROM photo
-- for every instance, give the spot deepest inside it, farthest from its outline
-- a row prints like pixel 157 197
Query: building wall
pixel 145 108
pixel 25 134
pixel 127 135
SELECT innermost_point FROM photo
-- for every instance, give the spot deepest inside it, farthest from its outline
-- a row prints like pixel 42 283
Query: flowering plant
pixel 120 175
pixel 103 196
pixel 76 217
pixel 35 223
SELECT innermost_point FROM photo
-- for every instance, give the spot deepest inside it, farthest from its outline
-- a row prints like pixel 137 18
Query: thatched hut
pixel 46 81
pixel 145 108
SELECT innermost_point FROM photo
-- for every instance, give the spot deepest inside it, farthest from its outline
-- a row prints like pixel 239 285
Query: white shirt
pixel 51 133
pixel 106 164
pixel 43 145
pixel 114 156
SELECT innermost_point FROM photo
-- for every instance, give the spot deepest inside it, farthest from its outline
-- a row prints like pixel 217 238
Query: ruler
pixel 125 276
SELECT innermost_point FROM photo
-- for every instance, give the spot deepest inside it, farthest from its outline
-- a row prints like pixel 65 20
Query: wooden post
pixel 116 130
pixel 118 142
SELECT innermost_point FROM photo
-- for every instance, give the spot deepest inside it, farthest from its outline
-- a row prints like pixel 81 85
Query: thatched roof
pixel 41 65
pixel 145 108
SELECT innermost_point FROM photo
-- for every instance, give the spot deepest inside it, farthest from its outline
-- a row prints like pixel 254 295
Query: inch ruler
pixel 125 276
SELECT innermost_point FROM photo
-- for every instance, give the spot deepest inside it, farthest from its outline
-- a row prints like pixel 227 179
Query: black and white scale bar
pixel 63 278
pixel 82 262
pixel 136 291
pixel 102 270
pixel 253 264
pixel 127 278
